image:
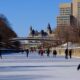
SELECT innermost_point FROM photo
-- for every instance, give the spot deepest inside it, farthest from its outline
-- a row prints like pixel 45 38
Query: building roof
pixel 77 0
pixel 65 5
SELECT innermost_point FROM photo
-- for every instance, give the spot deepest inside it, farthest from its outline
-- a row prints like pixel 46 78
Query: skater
pixel 41 52
pixel 48 52
pixel 0 54
pixel 70 53
pixel 27 52
pixel 78 68
pixel 66 54
pixel 54 53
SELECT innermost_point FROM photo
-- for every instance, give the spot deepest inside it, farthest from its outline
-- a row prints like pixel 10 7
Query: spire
pixel 49 29
pixel 30 28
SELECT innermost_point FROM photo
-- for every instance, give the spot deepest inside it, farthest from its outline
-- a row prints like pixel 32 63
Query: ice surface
pixel 18 67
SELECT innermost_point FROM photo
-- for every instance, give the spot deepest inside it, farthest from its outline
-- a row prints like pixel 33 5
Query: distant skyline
pixel 25 13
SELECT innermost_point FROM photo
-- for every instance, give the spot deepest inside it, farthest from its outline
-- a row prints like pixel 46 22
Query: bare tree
pixel 6 31
pixel 67 33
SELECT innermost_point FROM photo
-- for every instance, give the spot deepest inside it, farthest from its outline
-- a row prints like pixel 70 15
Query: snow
pixel 18 67
pixel 70 46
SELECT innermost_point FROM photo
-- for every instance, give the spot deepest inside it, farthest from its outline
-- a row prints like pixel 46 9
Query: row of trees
pixel 6 33
pixel 68 34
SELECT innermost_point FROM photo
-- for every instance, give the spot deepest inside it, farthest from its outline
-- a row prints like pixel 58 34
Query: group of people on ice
pixel 68 52
pixel 47 51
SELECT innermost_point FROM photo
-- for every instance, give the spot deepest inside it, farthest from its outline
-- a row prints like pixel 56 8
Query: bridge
pixel 35 39
pixel 38 40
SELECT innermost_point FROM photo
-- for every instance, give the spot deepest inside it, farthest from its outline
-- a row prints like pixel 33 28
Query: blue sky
pixel 24 13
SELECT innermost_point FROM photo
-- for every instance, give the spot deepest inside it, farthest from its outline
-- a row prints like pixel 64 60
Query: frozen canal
pixel 36 67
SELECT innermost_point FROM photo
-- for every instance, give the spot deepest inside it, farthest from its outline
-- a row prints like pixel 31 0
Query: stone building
pixel 43 33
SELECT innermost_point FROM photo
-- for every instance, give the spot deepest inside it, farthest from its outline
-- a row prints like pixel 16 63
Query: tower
pixel 30 31
pixel 49 31
pixel 76 11
pixel 65 15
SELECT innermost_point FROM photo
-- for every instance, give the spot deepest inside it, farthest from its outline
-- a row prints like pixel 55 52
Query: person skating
pixel 48 52
pixel 0 54
pixel 70 53
pixel 78 68
pixel 66 54
pixel 27 52
pixel 54 53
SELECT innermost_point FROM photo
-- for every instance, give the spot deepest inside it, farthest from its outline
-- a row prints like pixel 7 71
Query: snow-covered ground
pixel 18 67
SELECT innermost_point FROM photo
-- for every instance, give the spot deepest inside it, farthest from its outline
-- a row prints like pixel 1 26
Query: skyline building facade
pixel 65 15
pixel 76 11
pixel 69 14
